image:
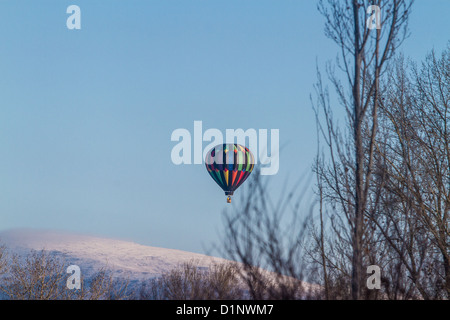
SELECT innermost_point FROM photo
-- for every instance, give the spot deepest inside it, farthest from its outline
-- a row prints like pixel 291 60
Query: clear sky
pixel 86 115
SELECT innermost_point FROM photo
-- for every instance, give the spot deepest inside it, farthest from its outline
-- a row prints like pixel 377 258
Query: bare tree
pixel 3 262
pixel 189 281
pixel 415 215
pixel 364 51
pixel 40 275
pixel 37 277
pixel 266 238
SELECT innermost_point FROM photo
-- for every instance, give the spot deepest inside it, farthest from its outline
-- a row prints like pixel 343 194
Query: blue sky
pixel 86 115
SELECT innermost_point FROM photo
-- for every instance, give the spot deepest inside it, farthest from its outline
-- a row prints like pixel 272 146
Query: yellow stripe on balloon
pixel 226 176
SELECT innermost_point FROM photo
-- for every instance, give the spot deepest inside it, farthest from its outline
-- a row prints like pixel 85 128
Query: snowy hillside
pixel 126 259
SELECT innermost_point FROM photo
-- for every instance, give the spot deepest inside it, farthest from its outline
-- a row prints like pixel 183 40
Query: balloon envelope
pixel 229 165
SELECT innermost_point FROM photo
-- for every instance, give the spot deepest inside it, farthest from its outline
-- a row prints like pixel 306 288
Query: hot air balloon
pixel 229 165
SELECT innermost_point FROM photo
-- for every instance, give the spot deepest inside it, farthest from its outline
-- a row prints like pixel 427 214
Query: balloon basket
pixel 228 199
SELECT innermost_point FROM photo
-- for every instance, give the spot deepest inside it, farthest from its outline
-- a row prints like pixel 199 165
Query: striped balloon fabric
pixel 229 165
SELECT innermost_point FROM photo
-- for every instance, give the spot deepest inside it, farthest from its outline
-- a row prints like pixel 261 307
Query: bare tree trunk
pixel 359 160
pixel 322 245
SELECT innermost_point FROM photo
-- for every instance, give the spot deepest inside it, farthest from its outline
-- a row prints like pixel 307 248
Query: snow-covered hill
pixel 124 258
